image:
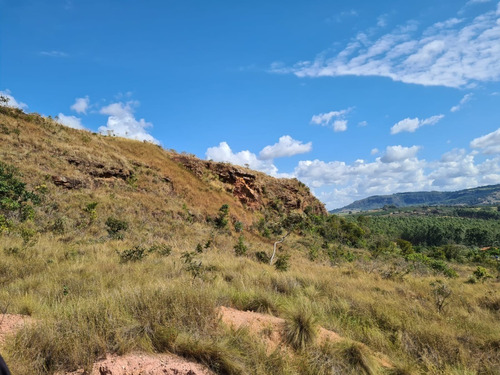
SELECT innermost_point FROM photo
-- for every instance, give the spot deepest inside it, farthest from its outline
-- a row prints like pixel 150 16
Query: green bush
pixel 221 220
pixel 282 262
pixel 240 248
pixel 133 255
pixel 116 227
pixel 13 194
pixel 262 257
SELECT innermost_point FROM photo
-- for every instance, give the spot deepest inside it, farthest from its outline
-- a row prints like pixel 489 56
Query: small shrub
pixel 116 227
pixel 162 249
pixel 199 248
pixel 90 208
pixel 282 262
pixel 262 257
pixel 441 293
pixel 133 255
pixel 238 226
pixel 221 220
pixel 481 274
pixel 240 248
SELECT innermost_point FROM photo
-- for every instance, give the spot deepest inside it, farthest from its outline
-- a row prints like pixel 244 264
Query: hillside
pixel 117 256
pixel 484 195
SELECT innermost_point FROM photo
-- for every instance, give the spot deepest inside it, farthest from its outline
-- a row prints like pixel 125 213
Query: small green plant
pixel 238 226
pixel 282 262
pixel 262 257
pixel 13 194
pixel 134 254
pixel 481 274
pixel 240 248
pixel 441 293
pixel 90 208
pixel 199 248
pixel 116 227
pixel 193 266
pixel 161 249
pixel 221 220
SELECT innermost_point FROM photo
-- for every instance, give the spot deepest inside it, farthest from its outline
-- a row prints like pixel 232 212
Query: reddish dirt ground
pixel 145 364
pixel 10 323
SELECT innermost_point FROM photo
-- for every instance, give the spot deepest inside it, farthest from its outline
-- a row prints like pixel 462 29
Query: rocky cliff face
pixel 254 189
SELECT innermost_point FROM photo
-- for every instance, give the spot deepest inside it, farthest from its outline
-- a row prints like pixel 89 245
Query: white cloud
pixel 70 121
pixel 450 53
pixel 122 122
pixel 412 124
pixel 382 20
pixel 340 125
pixel 337 183
pixel 399 153
pixel 223 153
pixel 54 54
pixel 12 102
pixel 339 122
pixel 287 146
pixel 374 151
pixel 489 143
pixel 464 100
pixel 81 105
pixel 470 2
pixel 363 123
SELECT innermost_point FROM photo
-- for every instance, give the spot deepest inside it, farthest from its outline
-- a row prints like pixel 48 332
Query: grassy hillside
pixel 113 246
pixel 484 195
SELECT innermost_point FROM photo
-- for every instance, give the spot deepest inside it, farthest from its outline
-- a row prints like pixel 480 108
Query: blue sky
pixel 354 98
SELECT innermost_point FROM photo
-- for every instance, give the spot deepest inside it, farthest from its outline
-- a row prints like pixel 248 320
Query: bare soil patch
pixel 145 364
pixel 269 327
pixel 10 324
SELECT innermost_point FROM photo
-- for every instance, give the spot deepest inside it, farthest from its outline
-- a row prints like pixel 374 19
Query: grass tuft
pixel 300 327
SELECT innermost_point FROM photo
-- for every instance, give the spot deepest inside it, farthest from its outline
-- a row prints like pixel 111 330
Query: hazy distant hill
pixel 469 197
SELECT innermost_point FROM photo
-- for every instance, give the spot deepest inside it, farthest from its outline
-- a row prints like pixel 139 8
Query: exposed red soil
pixel 269 327
pixel 10 324
pixel 144 364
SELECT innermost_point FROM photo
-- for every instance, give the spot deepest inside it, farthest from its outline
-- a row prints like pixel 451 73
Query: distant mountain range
pixel 483 195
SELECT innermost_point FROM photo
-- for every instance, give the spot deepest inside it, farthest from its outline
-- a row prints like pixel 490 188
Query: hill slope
pixel 483 195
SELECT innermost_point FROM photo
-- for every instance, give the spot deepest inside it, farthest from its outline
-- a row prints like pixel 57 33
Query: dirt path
pixel 10 324
pixel 145 364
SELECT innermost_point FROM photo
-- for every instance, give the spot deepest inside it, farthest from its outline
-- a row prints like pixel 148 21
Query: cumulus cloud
pixel 12 102
pixel 412 124
pixel 399 153
pixel 488 144
pixel 464 100
pixel 286 146
pixel 70 121
pixel 81 105
pixel 223 153
pixel 452 53
pixel 338 183
pixel 122 122
pixel 337 118
pixel 374 151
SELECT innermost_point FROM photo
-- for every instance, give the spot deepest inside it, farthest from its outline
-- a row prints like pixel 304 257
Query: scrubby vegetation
pixel 103 265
